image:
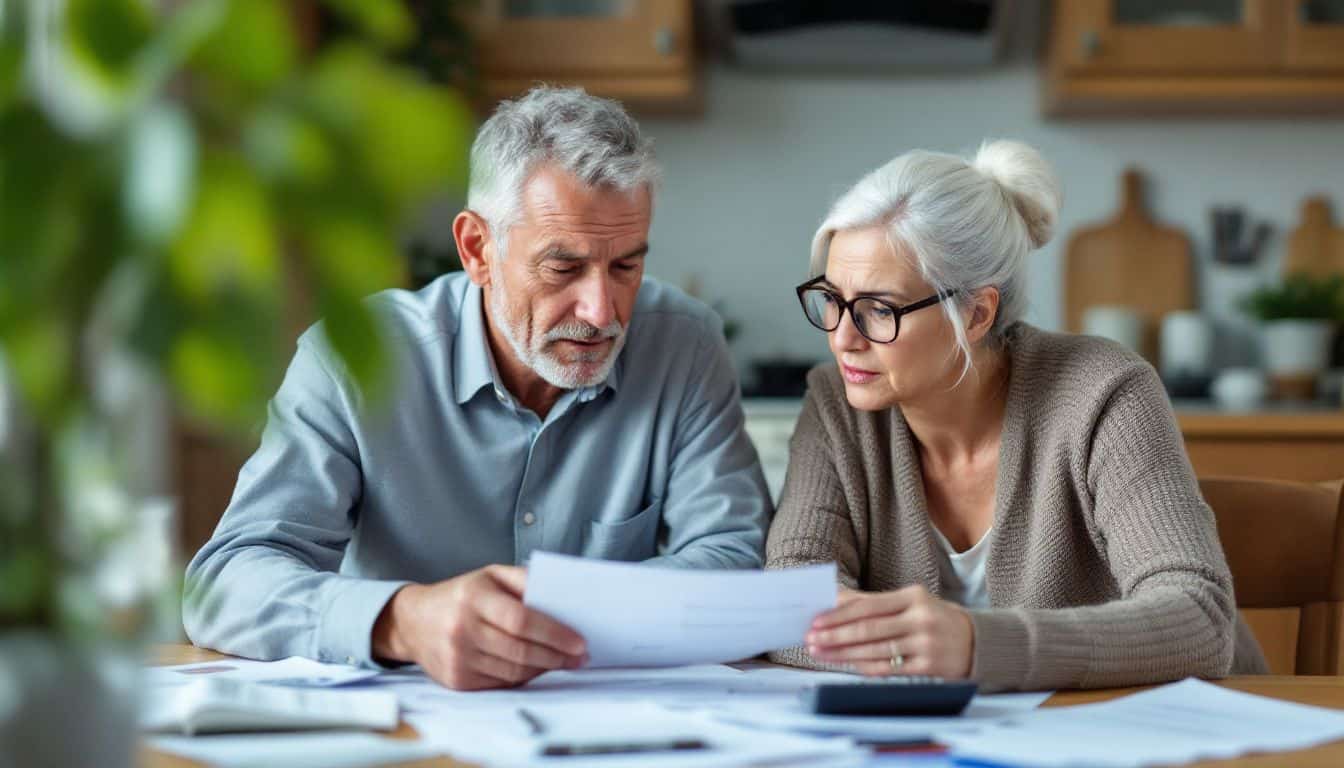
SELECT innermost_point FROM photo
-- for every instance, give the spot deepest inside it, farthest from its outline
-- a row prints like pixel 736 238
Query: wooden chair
pixel 1285 546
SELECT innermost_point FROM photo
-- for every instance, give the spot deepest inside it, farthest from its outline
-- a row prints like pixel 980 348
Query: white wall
pixel 748 181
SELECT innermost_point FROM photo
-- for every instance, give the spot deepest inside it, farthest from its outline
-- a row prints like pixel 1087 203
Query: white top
pixel 963 573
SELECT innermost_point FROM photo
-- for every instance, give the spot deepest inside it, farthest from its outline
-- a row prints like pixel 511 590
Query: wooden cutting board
pixel 1131 260
pixel 1316 247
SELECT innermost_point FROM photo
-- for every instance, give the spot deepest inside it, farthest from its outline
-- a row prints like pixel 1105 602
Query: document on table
pixel 508 739
pixel 765 702
pixel 293 671
pixel 1176 723
pixel 306 750
pixel 633 615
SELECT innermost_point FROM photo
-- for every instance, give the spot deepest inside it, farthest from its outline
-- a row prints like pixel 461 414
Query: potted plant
pixel 1298 319
pixel 167 169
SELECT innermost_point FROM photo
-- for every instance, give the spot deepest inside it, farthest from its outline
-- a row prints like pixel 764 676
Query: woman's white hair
pixel 966 224
pixel 592 138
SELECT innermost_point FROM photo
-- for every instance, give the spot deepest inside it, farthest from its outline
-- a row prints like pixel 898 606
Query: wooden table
pixel 1318 691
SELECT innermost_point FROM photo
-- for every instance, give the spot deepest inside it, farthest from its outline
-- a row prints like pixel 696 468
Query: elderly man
pixel 550 398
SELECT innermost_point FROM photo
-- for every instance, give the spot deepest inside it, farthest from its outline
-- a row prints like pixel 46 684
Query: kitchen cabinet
pixel 638 51
pixel 1131 57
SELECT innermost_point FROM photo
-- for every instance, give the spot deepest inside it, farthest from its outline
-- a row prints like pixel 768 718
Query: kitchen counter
pixel 1286 441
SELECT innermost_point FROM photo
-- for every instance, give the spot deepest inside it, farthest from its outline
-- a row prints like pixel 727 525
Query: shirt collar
pixel 474 365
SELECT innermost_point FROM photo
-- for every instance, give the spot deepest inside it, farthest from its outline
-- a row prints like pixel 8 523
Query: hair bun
pixel 1028 180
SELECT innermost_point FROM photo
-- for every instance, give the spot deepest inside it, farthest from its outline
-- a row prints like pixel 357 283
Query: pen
pixel 538 728
pixel 533 722
pixel 622 748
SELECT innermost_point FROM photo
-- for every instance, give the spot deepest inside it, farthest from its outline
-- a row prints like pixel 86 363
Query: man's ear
pixel 475 246
pixel 984 310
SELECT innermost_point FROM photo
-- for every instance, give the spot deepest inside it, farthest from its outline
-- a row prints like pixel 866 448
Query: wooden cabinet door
pixel 1314 37
pixel 1161 37
pixel 578 38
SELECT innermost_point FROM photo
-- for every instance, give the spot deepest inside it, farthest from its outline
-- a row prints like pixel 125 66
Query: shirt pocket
pixel 635 538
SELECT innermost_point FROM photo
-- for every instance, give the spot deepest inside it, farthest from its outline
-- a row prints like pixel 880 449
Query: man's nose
pixel 595 305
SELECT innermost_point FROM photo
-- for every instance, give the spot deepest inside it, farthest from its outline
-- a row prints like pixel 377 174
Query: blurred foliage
pixel 167 171
pixel 1298 297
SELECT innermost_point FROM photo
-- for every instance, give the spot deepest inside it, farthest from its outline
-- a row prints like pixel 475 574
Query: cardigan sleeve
pixel 812 523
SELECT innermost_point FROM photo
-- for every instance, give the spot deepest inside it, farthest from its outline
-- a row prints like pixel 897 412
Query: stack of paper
pixel 1177 723
pixel 218 706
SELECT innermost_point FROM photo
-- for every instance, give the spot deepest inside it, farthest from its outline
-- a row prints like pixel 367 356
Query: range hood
pixel 865 35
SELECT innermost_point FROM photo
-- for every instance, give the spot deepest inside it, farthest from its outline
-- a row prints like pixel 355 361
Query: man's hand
pixel 473 631
pixel 905 632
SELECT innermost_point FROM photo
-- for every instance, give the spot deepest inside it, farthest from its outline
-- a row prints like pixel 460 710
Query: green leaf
pixel 106 35
pixel 254 46
pixel 25 582
pixel 11 53
pixel 388 23
pixel 350 258
pixel 229 241
pixel 285 146
pixel 217 377
pixel 408 138
pixel 354 333
pixel 39 353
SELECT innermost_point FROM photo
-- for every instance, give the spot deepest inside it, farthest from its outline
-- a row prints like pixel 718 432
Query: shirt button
pixel 529 518
pixel 350 660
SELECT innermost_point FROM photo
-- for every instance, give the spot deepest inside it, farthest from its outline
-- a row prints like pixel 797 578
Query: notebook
pixel 215 705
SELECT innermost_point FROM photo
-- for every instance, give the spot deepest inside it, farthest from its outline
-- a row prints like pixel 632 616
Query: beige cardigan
pixel 1104 567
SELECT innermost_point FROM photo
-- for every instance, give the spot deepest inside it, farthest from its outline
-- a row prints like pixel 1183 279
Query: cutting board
pixel 1131 260
pixel 1316 247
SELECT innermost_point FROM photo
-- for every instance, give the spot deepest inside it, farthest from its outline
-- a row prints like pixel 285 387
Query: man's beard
pixel 535 353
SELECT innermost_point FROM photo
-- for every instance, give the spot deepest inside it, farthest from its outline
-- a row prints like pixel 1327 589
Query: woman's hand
pixel 905 632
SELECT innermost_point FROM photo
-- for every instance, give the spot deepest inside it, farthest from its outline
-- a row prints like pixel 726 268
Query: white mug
pixel 1240 389
pixel 1186 344
pixel 1114 322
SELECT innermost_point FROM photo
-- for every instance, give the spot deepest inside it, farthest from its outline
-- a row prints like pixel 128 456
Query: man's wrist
pixel 390 640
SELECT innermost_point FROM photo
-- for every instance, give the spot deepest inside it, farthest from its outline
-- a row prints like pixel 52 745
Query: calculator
pixel 903 695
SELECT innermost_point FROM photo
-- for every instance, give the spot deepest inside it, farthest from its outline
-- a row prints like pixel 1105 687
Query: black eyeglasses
pixel 879 321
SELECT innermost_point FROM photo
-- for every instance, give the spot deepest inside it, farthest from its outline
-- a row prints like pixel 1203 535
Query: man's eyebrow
pixel 559 252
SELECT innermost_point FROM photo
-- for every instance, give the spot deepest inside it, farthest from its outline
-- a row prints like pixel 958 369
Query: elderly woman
pixel 1004 504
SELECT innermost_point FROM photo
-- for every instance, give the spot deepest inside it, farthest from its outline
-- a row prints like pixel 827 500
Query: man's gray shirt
pixel 343 502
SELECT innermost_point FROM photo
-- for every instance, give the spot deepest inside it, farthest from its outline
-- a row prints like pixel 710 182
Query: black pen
pixel 538 728
pixel 533 722
pixel 622 748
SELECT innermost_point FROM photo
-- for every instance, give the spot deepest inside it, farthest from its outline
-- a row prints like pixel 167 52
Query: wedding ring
pixel 896 658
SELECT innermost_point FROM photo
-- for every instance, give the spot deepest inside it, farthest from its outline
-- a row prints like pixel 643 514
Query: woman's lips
pixel 857 375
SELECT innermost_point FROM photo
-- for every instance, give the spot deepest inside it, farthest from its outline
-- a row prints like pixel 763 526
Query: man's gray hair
pixel 967 224
pixel 592 138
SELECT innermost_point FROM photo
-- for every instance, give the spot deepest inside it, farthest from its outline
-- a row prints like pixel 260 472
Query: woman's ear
pixel 984 310
pixel 475 248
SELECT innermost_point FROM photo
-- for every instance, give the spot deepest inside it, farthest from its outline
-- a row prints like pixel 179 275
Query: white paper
pixel 309 750
pixel 504 739
pixel 294 671
pixel 1176 723
pixel 639 616
pixel 765 701
pixel 686 687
